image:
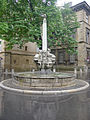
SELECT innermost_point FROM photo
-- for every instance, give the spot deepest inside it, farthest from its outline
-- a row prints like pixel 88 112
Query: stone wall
pixel 23 62
pixel 80 15
pixel 30 47
pixel 19 61
pixel 81 37
pixel 82 54
pixel 82 45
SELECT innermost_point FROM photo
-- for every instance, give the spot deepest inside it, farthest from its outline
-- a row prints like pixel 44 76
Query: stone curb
pixel 32 92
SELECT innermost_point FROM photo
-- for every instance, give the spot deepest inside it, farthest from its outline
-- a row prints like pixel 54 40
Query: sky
pixel 61 2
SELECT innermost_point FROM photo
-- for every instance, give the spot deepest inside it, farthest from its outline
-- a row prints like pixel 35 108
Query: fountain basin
pixel 33 83
pixel 44 80
pixel 9 86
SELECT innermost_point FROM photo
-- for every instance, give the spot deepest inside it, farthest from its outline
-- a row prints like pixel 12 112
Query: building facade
pixel 83 38
pixel 18 59
pixel 22 59
pixel 83 33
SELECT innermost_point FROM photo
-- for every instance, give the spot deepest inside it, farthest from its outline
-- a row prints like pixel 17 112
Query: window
pixel 14 61
pixel 27 61
pixel 87 18
pixel 72 58
pixel 88 56
pixel 61 57
pixel 25 48
pixel 87 36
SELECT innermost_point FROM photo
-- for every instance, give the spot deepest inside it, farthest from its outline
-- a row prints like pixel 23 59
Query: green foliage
pixel 70 26
pixel 21 22
pixel 3 4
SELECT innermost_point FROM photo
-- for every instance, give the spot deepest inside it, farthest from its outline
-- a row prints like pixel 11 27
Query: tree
pixel 21 21
pixel 70 26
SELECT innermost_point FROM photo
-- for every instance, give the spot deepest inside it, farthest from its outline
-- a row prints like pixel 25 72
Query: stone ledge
pixel 79 86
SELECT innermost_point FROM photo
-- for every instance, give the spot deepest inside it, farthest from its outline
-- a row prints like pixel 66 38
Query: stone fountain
pixel 44 81
pixel 44 58
pixel 40 92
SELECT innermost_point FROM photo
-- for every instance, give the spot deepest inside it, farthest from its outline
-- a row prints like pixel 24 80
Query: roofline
pixel 82 5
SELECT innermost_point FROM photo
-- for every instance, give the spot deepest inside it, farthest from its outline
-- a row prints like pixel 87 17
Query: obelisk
pixel 44 37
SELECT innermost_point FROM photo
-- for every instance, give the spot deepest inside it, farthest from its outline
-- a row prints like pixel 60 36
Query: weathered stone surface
pixel 44 59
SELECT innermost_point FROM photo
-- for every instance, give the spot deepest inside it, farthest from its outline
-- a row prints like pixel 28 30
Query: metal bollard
pixel 6 73
pixel 54 70
pixel 85 69
pixel 12 74
pixel 75 72
pixel 80 70
pixel 33 70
